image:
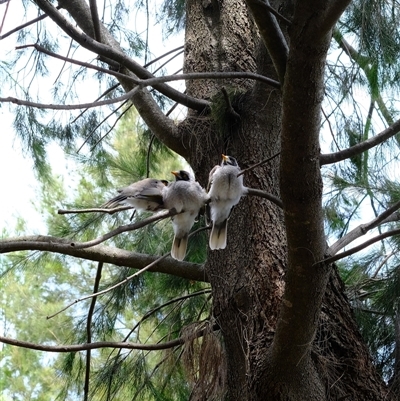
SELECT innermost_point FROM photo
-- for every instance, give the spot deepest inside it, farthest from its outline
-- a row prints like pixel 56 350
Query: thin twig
pixel 170 59
pixel 122 229
pixel 125 280
pixel 115 123
pixel 97 345
pixel 95 210
pixel 104 94
pixel 99 124
pixel 4 15
pixel 89 329
pixel 42 49
pixel 148 155
pixel 21 102
pixel 363 229
pixel 162 56
pixel 259 164
pixel 18 28
pixel 358 248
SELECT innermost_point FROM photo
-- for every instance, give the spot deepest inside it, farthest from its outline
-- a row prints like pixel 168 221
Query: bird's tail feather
pixel 218 235
pixel 179 246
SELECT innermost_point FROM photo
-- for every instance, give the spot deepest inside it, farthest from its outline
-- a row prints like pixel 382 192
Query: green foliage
pixel 150 308
pixel 154 308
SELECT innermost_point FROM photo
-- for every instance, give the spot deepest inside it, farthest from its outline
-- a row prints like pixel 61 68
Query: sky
pixel 17 179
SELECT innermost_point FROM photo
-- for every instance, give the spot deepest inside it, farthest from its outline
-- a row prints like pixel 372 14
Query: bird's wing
pixel 210 176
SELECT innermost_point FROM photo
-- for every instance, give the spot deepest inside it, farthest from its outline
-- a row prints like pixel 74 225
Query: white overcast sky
pixel 17 181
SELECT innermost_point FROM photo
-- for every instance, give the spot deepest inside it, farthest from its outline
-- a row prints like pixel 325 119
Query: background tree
pixel 280 326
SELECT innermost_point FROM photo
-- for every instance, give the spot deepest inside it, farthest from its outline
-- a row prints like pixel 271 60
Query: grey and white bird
pixel 186 197
pixel 144 195
pixel 225 191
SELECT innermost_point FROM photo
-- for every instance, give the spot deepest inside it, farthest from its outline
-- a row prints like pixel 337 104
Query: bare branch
pixel 43 50
pixel 387 216
pixel 265 195
pixel 125 280
pixel 365 64
pixel 164 55
pixel 332 15
pixel 18 28
pixel 89 329
pixel 362 146
pixel 95 20
pixel 258 164
pixel 208 75
pixel 122 229
pixel 90 346
pixel 95 210
pixel 163 127
pixel 100 344
pixel 271 34
pixel 107 51
pixel 106 254
pixel 358 248
pixel 21 102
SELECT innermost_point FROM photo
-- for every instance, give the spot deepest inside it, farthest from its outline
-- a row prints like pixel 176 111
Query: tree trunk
pixel 248 276
pixel 329 360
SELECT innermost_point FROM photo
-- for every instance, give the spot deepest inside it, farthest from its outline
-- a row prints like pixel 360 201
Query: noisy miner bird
pixel 186 197
pixel 144 195
pixel 225 191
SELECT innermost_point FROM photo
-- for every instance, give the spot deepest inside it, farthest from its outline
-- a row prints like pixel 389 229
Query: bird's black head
pixel 229 161
pixel 181 175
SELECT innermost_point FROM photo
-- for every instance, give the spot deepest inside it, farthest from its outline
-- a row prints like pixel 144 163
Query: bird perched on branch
pixel 144 195
pixel 225 191
pixel 186 197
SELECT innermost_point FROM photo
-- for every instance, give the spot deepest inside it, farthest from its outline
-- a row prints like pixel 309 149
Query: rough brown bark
pixel 248 277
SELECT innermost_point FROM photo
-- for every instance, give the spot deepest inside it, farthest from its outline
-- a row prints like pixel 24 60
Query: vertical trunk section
pixel 246 277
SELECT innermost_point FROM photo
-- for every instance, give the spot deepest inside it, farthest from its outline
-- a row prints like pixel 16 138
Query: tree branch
pixel 106 254
pixel 387 216
pixel 18 28
pixel 115 53
pixel 259 163
pixel 332 15
pixel 163 127
pixel 166 78
pixel 271 34
pixel 365 64
pixel 265 195
pixel 362 146
pixel 95 20
pixel 21 102
pixel 358 248
pixel 90 346
pixel 125 280
pixel 89 329
pixel 122 229
pixel 95 210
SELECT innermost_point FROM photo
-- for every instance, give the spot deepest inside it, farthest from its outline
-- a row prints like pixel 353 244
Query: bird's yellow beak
pixel 175 173
pixel 226 158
